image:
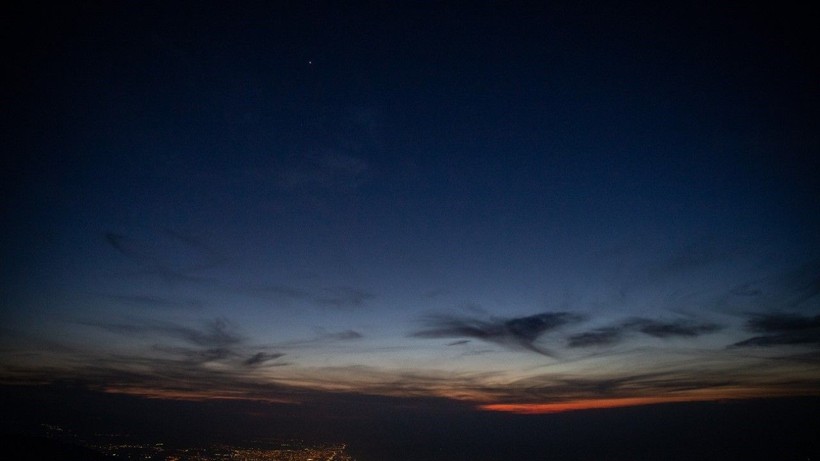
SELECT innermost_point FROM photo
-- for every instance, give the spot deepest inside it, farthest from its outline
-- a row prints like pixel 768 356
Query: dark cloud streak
pixel 683 328
pixel 518 333
pixel 347 335
pixel 598 337
pixel 156 302
pixel 343 297
pixel 216 333
pixel 168 255
pixel 782 330
pixel 261 357
pixel 610 335
pixel 783 323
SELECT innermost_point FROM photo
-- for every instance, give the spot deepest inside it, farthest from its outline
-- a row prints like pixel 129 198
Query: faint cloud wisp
pixel 516 333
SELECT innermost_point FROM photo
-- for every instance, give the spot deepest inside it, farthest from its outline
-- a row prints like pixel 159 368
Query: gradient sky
pixel 523 209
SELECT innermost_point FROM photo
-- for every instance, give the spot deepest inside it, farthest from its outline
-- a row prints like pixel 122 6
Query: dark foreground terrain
pixel 54 423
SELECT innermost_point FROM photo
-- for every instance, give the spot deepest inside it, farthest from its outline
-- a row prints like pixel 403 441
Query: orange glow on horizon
pixel 191 395
pixel 575 405
pixel 578 404
pixel 702 395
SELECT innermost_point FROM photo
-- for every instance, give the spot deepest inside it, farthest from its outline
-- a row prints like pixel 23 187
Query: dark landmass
pixel 395 429
pixel 21 447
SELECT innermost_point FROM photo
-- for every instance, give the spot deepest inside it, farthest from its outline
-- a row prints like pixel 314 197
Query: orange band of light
pixel 542 408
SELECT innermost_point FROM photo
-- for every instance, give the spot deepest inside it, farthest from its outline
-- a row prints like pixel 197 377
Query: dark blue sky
pixel 499 204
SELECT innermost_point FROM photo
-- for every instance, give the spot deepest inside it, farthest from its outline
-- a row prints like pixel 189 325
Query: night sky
pixel 303 207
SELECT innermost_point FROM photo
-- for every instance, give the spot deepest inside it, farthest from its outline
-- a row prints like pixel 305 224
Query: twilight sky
pixel 523 209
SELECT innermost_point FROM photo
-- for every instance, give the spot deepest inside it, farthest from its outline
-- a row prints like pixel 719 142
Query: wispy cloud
pixel 668 329
pixel 614 334
pixel 686 382
pixel 803 285
pixel 598 337
pixel 436 293
pixel 182 372
pixel 323 337
pixel 343 296
pixel 747 289
pixel 346 335
pixel 794 289
pixel 195 356
pixel 281 291
pixel 517 333
pixel 782 329
pixel 155 302
pixel 218 332
pixel 560 387
pixel 215 333
pixel 780 323
pixel 186 347
pixel 169 255
pixel 260 358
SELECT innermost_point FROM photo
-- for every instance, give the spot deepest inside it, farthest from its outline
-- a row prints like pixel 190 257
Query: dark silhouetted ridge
pixel 30 448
